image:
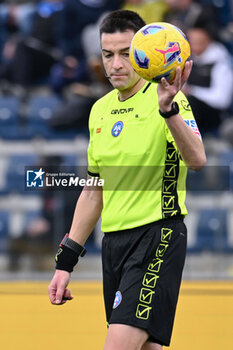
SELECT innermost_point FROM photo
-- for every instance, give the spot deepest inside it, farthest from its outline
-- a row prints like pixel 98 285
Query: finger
pixel 52 295
pixel 187 71
pixel 177 80
pixel 59 294
pixel 67 295
pixel 164 83
pixel 187 68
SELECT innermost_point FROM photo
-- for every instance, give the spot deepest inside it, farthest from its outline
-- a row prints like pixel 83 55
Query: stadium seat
pixel 212 230
pixel 9 117
pixel 196 181
pixel 226 162
pixel 210 178
pixel 4 228
pixel 69 163
pixel 29 217
pixel 40 111
pixel 16 172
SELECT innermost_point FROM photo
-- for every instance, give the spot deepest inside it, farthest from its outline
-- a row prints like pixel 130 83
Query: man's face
pixel 178 5
pixel 115 55
pixel 199 40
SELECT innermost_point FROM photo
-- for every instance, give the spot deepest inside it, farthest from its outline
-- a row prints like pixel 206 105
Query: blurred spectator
pixel 186 14
pixel 90 39
pixel 3 27
pixel 225 9
pixel 20 16
pixel 77 15
pixel 150 11
pixel 210 85
pixel 33 56
pixel 15 20
pixel 54 40
pixel 79 97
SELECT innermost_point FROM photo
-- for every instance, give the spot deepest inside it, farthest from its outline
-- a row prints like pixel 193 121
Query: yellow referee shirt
pixel 133 151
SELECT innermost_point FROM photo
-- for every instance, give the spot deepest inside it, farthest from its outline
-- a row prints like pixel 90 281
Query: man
pixel 186 14
pixel 144 245
pixel 208 93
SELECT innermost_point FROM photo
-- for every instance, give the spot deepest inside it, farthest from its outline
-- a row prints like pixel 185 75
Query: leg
pixel 152 346
pixel 153 299
pixel 123 337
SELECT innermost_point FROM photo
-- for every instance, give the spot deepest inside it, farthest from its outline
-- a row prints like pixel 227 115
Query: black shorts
pixel 142 270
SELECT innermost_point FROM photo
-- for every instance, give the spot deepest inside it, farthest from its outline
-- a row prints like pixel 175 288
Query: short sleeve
pixel 186 113
pixel 93 168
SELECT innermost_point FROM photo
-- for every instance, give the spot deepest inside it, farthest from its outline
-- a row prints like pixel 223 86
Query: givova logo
pixel 35 178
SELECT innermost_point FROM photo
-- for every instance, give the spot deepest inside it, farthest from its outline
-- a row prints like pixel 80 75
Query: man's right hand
pixel 58 293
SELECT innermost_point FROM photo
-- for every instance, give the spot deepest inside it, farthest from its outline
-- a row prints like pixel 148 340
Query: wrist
pixel 70 243
pixel 165 109
pixel 174 109
pixel 68 254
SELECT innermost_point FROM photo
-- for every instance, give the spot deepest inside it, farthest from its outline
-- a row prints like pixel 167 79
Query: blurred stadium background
pixel 33 133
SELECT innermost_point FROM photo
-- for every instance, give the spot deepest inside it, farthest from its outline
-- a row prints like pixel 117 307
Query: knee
pixel 152 346
pixel 123 337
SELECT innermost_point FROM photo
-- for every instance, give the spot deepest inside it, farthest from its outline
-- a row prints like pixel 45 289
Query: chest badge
pixel 117 128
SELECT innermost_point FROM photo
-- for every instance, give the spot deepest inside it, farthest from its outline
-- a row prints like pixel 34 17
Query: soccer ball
pixel 157 50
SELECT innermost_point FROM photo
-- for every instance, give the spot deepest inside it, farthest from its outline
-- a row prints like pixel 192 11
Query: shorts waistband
pixel 158 222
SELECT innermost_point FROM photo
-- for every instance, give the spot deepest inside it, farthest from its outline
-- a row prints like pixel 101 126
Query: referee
pixel 138 131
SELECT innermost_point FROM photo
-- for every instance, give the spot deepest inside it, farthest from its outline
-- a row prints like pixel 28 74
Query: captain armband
pixel 68 254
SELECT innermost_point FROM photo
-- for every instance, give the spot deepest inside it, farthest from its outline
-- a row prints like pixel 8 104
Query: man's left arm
pixel 189 144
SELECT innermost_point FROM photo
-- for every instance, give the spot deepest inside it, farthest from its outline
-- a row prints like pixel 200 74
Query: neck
pixel 125 94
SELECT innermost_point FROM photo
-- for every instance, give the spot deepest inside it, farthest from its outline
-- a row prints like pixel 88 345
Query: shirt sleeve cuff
pixel 93 174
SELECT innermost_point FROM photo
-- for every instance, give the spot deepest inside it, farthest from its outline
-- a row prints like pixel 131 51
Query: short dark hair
pixel 121 21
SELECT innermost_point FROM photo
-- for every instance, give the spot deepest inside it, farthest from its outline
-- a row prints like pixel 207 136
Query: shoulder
pixel 181 99
pixel 149 91
pixel 101 103
pixel 99 107
pixel 185 108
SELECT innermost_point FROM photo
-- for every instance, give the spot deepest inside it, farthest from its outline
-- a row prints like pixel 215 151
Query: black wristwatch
pixel 174 110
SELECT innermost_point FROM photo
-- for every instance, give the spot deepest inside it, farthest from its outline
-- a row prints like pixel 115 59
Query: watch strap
pixel 174 110
pixel 70 243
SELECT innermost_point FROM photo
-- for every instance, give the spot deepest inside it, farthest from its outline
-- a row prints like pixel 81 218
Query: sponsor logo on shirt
pixel 193 125
pixel 122 110
pixel 185 104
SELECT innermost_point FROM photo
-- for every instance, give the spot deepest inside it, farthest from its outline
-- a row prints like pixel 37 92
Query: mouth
pixel 118 75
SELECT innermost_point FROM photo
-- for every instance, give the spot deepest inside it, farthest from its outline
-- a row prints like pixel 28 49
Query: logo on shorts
pixel 117 300
pixel 117 128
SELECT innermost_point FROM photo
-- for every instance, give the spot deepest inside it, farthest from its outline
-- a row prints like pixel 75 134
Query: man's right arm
pixel 87 212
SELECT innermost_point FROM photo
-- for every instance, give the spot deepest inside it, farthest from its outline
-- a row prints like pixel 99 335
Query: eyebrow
pixel 124 49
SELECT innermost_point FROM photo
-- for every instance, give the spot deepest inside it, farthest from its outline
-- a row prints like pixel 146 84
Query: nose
pixel 117 62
